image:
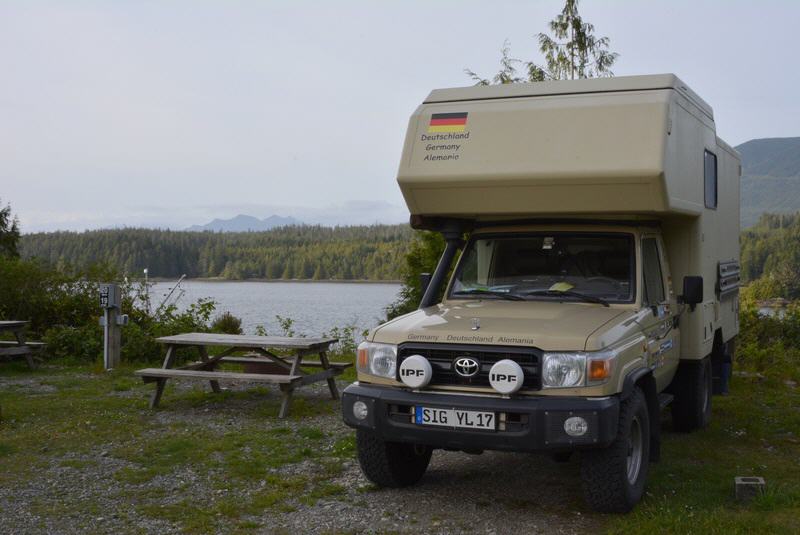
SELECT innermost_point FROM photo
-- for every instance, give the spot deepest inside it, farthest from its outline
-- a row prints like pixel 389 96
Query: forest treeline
pixel 373 252
pixel 770 252
pixel 770 256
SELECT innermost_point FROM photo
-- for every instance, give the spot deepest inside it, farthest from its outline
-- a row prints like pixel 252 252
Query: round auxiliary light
pixel 360 410
pixel 575 426
pixel 506 376
pixel 416 371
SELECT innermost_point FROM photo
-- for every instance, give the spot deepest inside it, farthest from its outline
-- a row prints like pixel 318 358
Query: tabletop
pixel 246 341
pixel 11 325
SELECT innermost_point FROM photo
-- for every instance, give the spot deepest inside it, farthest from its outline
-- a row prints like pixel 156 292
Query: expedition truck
pixel 597 223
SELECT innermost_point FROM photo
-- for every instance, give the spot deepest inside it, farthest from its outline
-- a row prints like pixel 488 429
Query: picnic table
pixel 261 363
pixel 18 347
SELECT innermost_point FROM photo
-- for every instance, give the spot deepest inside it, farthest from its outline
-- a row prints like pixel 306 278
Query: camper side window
pixel 710 178
pixel 651 269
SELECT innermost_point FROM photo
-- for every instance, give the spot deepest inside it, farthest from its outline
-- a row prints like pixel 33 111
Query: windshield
pixel 591 267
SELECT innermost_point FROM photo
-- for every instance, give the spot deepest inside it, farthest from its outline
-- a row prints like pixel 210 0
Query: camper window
pixel 710 178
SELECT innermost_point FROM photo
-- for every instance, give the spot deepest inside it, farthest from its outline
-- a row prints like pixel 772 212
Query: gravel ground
pixel 460 493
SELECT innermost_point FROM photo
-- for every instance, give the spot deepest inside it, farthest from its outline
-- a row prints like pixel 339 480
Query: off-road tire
pixel 604 472
pixel 692 388
pixel 391 464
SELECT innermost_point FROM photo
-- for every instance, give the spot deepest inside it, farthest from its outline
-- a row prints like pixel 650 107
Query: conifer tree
pixel 9 233
pixel 571 51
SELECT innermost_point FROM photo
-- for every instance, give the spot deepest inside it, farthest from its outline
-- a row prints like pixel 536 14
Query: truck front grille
pixel 443 356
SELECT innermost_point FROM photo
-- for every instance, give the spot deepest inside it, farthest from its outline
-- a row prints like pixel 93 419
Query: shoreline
pixel 301 281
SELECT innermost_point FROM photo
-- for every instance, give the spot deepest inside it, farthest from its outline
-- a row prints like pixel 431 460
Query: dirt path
pixel 460 493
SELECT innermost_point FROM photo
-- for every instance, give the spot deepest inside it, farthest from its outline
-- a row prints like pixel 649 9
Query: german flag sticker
pixel 448 122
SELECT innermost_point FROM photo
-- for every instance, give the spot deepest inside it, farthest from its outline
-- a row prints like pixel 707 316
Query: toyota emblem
pixel 466 366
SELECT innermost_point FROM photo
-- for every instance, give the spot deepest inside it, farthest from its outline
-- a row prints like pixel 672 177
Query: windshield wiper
pixel 569 293
pixel 502 295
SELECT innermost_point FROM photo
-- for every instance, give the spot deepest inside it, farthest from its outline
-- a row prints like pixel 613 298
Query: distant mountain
pixel 777 156
pixel 245 223
pixel 770 177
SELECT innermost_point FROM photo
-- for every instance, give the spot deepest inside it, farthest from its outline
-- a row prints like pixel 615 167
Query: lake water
pixel 315 307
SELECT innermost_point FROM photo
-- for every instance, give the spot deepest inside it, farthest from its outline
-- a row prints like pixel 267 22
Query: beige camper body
pixel 598 284
pixel 629 148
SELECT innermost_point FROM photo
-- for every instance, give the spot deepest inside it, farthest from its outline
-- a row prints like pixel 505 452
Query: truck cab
pixel 588 282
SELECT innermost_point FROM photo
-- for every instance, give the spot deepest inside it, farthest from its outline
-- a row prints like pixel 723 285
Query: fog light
pixel 506 376
pixel 416 371
pixel 360 410
pixel 574 426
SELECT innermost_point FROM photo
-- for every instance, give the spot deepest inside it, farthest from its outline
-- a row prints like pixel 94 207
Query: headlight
pixel 563 370
pixel 377 359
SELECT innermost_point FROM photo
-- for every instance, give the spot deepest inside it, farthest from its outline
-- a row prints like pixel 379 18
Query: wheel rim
pixel 706 390
pixel 634 451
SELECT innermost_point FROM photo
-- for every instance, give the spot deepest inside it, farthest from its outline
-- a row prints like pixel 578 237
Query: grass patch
pixel 134 476
pixel 215 516
pixel 74 417
pixel 753 432
pixel 191 518
pixel 323 490
pixel 311 433
pixel 78 464
pixel 124 384
pixel 345 447
pixel 249 453
pixel 6 449
pixel 68 415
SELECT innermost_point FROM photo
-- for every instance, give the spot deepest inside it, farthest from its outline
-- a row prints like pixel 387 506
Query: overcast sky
pixel 173 113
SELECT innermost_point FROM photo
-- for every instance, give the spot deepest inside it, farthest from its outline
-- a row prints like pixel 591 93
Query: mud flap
pixel 721 367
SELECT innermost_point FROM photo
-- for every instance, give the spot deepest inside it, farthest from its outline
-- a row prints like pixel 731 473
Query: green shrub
pixel 226 323
pixel 287 325
pixel 81 343
pixel 769 345
pixel 422 257
pixel 348 341
pixel 62 306
pixel 31 291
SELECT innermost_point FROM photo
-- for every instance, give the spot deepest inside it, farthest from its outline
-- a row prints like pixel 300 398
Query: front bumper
pixel 525 424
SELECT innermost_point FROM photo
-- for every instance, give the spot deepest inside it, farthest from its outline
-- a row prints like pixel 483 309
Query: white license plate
pixel 455 418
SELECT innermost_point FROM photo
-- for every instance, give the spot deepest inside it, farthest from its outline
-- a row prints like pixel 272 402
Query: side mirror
pixel 692 291
pixel 424 281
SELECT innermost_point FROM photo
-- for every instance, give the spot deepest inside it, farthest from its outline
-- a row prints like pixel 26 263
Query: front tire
pixel 614 477
pixel 692 388
pixel 391 464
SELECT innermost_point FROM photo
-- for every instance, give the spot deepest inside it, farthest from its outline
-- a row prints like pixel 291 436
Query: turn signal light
pixel 599 370
pixel 363 358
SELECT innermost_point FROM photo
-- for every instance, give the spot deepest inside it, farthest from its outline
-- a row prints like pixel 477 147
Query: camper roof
pixel 601 147
pixel 567 87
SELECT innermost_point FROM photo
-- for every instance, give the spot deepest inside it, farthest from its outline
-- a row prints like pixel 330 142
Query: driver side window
pixel 653 286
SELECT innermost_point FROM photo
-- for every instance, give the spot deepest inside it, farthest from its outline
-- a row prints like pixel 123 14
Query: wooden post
pixel 323 358
pixel 110 299
pixel 204 357
pixel 289 389
pixel 20 336
pixel 169 359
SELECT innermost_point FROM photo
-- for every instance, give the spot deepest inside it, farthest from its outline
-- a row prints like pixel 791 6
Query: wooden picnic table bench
pixel 18 347
pixel 261 365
